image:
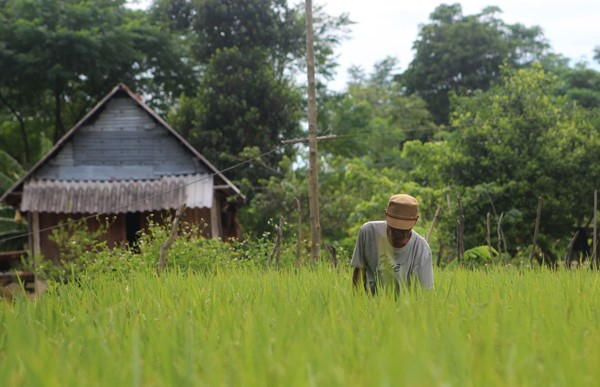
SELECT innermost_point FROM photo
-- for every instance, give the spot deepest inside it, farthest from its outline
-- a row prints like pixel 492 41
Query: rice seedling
pixel 251 326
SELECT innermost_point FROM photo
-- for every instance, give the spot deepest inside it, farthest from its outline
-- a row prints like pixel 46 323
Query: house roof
pixel 14 195
pixel 119 196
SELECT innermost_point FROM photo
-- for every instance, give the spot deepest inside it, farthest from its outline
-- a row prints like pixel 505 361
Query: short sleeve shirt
pixel 384 263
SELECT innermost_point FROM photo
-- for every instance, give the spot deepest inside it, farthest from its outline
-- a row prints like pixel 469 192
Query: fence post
pixel 536 228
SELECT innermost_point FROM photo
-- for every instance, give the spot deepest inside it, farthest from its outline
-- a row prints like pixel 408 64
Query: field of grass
pixel 245 327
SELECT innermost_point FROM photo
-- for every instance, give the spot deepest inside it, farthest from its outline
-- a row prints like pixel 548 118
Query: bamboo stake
pixel 570 250
pixel 536 229
pixel 439 257
pixel 299 242
pixel 437 213
pixel 460 231
pixel 313 168
pixel 595 238
pixel 488 237
pixel 333 254
pixel 499 231
pixel 164 248
pixel 276 252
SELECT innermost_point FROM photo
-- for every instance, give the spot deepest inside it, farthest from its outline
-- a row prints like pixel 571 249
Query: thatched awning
pixel 113 197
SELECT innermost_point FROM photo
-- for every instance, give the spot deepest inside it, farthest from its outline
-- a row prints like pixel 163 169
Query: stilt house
pixel 123 162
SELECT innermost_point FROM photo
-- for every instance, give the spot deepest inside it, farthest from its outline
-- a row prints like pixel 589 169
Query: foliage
pixel 373 118
pixel 85 254
pixel 511 145
pixel 458 53
pixel 239 104
pixel 351 193
pixel 478 257
pixel 60 57
pixel 273 26
pixel 12 224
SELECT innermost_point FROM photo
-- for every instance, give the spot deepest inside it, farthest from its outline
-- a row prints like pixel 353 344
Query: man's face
pixel 398 238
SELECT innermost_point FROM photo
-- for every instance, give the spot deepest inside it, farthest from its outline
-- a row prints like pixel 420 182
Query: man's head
pixel 401 215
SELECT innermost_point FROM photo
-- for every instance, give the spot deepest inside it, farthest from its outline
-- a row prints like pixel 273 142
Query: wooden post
pixel 595 238
pixel 488 234
pixel 460 231
pixel 439 257
pixel 536 229
pixel 570 250
pixel 276 252
pixel 164 248
pixel 333 254
pixel 313 168
pixel 215 218
pixel 299 243
pixel 437 213
pixel 499 231
pixel 35 229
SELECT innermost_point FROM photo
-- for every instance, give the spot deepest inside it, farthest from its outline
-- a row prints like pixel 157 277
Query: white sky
pixel 389 27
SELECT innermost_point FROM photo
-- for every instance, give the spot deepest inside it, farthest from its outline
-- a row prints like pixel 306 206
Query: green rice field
pixel 256 327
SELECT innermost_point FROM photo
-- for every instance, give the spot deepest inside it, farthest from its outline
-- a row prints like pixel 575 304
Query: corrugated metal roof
pixel 117 196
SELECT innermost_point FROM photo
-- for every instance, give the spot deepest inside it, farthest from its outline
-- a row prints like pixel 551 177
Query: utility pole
pixel 313 166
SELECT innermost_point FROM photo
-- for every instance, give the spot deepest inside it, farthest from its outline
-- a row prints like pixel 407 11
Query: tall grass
pixel 250 326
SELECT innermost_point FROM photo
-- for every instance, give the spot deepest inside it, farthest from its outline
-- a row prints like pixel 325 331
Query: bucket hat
pixel 402 211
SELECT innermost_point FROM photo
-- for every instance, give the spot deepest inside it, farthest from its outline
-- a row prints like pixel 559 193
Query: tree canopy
pixel 512 144
pixel 462 53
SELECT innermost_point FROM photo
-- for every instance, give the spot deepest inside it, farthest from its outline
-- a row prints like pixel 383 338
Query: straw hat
pixel 402 211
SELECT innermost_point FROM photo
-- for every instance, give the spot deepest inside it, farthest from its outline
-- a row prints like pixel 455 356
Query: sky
pixel 389 27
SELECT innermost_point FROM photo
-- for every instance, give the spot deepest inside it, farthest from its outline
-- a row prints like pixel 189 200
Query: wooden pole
pixel 299 243
pixel 499 230
pixel 595 238
pixel 570 250
pixel 164 248
pixel 276 252
pixel 488 234
pixel 460 231
pixel 313 168
pixel 536 229
pixel 437 213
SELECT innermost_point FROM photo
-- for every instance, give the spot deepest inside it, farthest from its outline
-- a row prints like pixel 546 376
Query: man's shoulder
pixel 420 241
pixel 375 225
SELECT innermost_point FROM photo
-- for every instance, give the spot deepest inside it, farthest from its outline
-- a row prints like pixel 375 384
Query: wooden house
pixel 123 162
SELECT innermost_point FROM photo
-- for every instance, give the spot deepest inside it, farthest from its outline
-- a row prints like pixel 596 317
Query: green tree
pixel 510 145
pixel 249 53
pixel 273 26
pixel 59 57
pixel 240 104
pixel 13 230
pixel 373 118
pixel 458 53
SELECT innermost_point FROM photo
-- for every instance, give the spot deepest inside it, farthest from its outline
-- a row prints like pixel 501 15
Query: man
pixel 390 251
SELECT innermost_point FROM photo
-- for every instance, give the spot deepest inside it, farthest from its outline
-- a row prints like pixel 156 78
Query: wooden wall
pixel 116 235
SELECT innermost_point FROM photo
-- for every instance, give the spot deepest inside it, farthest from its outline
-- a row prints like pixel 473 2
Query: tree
pixel 248 100
pixel 57 58
pixel 373 118
pixel 510 145
pixel 13 230
pixel 457 53
pixel 272 26
pixel 241 107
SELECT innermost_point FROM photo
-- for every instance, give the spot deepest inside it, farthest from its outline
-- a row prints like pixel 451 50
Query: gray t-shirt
pixel 382 262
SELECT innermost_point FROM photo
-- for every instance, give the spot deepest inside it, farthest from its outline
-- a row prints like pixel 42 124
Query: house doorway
pixel 133 224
